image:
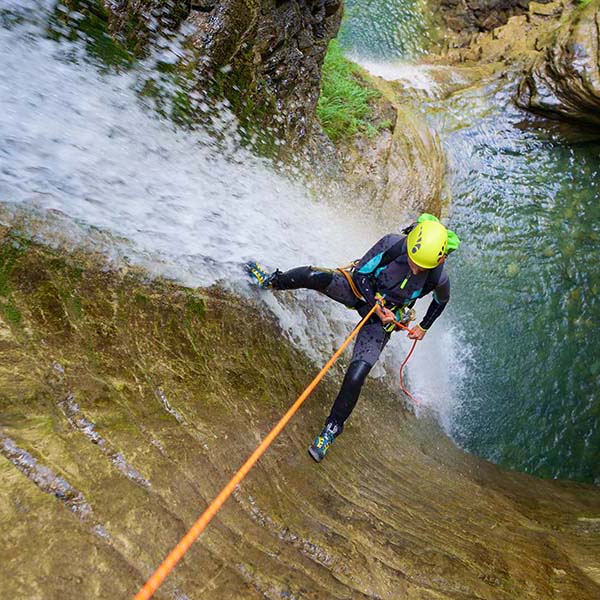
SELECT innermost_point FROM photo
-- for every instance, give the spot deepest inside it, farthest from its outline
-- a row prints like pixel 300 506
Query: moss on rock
pixel 122 419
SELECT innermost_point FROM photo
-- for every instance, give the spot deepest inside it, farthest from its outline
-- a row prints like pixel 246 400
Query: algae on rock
pixel 126 404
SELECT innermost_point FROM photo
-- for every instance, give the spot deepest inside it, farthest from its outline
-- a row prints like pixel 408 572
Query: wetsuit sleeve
pixel 363 273
pixel 441 297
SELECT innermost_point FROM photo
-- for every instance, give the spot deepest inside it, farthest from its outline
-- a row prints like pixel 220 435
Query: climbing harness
pixel 346 273
pixel 198 527
pixel 404 314
pixel 402 325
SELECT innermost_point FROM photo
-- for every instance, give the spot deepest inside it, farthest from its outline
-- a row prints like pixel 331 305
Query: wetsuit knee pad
pixel 303 277
pixel 348 395
pixel 357 372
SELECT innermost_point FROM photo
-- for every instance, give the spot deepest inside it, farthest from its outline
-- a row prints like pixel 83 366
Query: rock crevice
pixel 564 82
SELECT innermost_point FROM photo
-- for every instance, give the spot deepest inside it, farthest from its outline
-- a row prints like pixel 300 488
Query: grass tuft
pixel 343 108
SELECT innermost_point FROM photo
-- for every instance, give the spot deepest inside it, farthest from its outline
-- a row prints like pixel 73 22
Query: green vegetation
pixel 12 248
pixel 344 106
pixel 87 20
pixel 196 307
pixel 11 313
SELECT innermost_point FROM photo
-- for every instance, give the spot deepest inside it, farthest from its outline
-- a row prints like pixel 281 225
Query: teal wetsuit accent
pixel 384 269
pixel 371 265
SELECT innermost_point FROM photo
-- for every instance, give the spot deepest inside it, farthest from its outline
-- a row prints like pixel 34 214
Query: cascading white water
pixel 87 160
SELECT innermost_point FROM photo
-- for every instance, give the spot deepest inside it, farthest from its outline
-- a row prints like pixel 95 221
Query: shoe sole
pixel 315 455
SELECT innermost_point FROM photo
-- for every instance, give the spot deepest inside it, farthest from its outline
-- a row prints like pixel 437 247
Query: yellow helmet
pixel 427 244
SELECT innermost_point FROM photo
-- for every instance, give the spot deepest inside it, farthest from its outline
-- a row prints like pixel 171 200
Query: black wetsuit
pixel 383 269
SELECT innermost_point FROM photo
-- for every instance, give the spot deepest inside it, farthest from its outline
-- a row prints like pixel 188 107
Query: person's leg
pixel 370 341
pixel 302 277
pixel 331 283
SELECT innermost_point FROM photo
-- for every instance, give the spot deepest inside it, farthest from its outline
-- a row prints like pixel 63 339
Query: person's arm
pixel 368 264
pixel 441 297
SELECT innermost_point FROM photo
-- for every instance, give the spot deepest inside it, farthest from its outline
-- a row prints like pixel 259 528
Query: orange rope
pixel 402 386
pixel 190 537
pixel 415 401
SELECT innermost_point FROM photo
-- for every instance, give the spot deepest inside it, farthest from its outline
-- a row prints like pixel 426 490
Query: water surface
pixel 385 29
pixel 519 380
pixel 527 296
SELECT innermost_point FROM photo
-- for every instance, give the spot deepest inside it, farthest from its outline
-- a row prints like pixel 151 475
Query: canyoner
pixel 382 287
pixel 390 277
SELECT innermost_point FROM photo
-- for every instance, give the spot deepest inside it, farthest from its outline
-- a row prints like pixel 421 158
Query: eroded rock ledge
pixel 552 51
pixel 466 16
pixel 400 170
pixel 564 82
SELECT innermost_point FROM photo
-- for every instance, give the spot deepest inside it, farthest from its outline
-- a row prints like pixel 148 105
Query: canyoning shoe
pixel 323 441
pixel 259 274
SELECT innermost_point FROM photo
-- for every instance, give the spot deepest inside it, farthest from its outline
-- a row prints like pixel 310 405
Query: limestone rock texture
pixel 263 56
pixel 564 82
pixel 126 404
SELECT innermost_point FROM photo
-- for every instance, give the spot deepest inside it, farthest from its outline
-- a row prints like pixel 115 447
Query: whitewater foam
pixel 86 160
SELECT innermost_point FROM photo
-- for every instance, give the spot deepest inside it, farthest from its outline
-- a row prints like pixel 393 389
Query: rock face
pixel 479 15
pixel 267 57
pixel 126 405
pixel 263 56
pixel 564 82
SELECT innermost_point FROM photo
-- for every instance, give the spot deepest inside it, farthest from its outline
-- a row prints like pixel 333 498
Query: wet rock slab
pixel 126 404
